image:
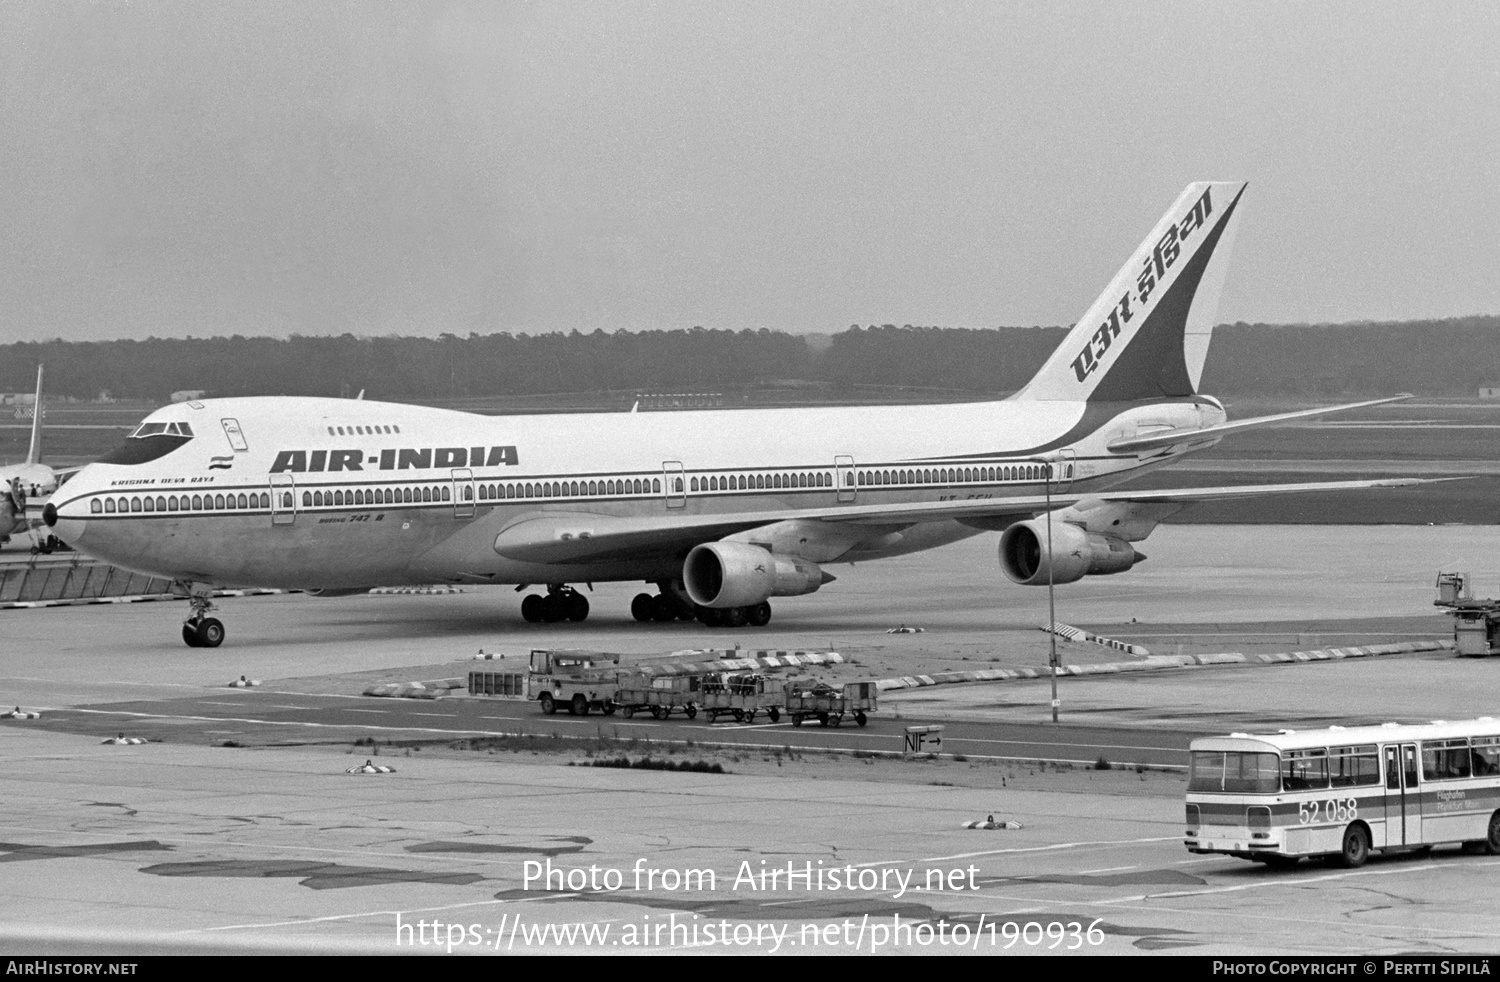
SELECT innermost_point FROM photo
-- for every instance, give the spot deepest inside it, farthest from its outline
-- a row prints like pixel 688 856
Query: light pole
pixel 1046 463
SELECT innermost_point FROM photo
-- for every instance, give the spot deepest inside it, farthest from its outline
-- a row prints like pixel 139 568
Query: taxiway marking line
pixel 1023 849
pixel 1279 882
pixel 1044 743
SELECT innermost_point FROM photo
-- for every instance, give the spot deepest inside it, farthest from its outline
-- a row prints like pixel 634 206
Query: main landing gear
pixel 666 606
pixel 662 608
pixel 200 630
pixel 756 615
pixel 562 603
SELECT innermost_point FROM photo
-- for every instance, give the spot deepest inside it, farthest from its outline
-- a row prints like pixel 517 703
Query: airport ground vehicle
pixel 743 696
pixel 660 696
pixel 578 681
pixel 830 705
pixel 1343 791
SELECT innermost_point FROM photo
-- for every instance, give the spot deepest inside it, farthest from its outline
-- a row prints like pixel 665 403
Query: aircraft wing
pixel 578 536
pixel 1166 438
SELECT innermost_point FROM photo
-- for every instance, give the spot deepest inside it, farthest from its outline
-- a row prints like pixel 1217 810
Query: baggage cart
pixel 743 696
pixel 829 705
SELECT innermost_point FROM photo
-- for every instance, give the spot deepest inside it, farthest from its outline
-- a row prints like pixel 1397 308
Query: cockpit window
pixel 148 442
pixel 162 429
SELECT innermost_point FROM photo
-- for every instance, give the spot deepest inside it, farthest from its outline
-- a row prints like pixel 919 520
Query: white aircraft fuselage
pixel 344 463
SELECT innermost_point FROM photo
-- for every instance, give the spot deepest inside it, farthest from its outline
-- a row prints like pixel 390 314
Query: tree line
pixel 1452 357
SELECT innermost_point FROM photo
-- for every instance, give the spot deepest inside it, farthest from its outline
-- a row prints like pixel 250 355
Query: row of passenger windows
pixel 953 475
pixel 197 502
pixel 559 489
pixel 362 430
pixel 381 496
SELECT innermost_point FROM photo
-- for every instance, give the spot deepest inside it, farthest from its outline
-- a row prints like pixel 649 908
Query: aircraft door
pixel 283 499
pixel 674 483
pixel 234 435
pixel 463 492
pixel 843 472
pixel 1062 471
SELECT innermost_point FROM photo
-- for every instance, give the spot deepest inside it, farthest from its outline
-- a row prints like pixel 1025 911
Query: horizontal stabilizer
pixel 1171 438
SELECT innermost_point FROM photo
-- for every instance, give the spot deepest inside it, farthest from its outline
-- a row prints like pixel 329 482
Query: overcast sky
pixel 376 167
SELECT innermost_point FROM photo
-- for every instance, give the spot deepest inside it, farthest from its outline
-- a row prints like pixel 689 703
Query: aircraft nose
pixel 64 523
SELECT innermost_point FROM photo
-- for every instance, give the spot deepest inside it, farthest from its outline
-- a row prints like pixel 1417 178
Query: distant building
pixel 17 398
pixel 183 395
pixel 1489 392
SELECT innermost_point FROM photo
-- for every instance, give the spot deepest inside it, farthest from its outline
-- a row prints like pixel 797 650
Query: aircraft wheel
pixel 735 617
pixel 531 609
pixel 641 607
pixel 711 617
pixel 663 609
pixel 210 632
pixel 577 606
pixel 190 636
pixel 554 608
pixel 760 614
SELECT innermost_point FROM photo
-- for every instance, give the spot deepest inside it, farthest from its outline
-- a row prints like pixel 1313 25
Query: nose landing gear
pixel 200 630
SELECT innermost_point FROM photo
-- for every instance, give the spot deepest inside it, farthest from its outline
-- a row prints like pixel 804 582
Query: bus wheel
pixel 1357 846
pixel 1493 841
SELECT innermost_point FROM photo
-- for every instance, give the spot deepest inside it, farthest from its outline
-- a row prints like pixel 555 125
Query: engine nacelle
pixel 733 574
pixel 1076 553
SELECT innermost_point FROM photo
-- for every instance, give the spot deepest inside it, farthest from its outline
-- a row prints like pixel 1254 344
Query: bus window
pixel 1485 756
pixel 1233 772
pixel 1445 759
pixel 1303 770
pixel 1353 766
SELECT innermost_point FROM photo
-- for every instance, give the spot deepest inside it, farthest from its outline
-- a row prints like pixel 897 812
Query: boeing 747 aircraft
pixel 721 509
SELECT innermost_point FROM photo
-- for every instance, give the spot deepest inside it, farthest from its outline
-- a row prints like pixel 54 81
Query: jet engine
pixel 732 574
pixel 1076 553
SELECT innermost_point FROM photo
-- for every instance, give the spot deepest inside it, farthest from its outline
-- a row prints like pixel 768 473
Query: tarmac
pixel 179 845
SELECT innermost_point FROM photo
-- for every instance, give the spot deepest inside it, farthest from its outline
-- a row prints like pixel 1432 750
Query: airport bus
pixel 1343 791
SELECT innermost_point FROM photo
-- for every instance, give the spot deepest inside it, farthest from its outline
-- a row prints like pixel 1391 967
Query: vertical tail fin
pixel 1147 335
pixel 34 455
